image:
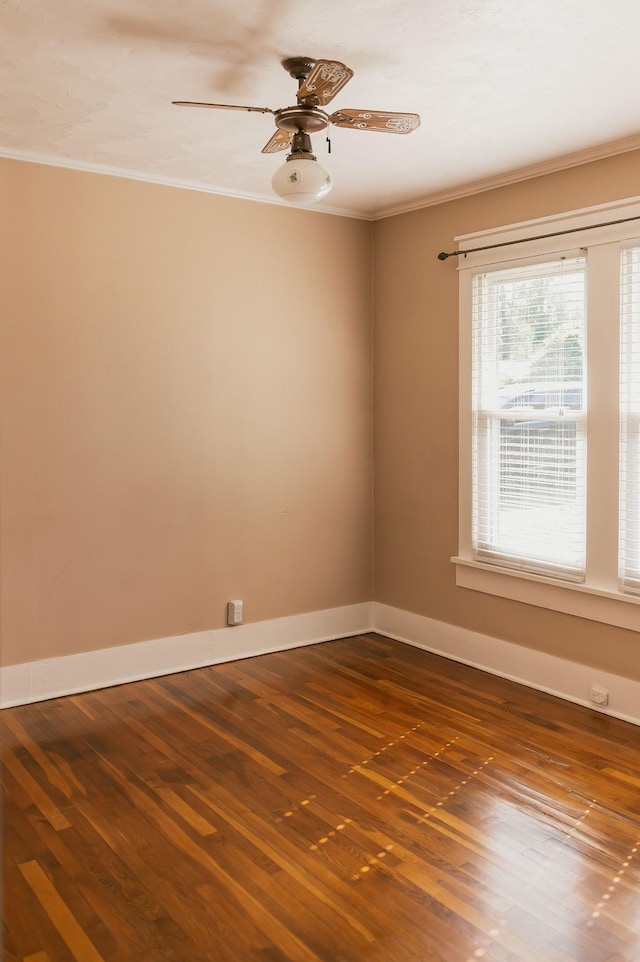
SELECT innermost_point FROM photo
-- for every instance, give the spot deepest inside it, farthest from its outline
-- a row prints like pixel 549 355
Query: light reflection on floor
pixel 527 873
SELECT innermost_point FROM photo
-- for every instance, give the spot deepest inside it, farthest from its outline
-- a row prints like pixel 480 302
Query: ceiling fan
pixel 302 180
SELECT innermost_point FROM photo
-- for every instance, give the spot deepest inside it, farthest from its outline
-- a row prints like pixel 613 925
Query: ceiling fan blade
pixel 280 141
pixel 324 81
pixel 384 121
pixel 193 103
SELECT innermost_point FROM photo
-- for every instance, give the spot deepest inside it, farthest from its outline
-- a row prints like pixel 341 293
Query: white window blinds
pixel 528 402
pixel 629 568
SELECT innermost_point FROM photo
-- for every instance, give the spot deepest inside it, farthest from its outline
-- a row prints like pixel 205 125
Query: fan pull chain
pixel 328 144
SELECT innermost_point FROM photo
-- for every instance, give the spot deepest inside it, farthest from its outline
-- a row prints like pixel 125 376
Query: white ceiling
pixel 500 85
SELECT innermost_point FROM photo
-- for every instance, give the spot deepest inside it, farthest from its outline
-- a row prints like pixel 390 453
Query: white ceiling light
pixel 301 180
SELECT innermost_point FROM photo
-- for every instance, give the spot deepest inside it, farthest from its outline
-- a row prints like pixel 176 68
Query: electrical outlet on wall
pixel 234 612
pixel 598 696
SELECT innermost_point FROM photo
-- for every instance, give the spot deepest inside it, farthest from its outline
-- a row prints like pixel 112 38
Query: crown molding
pixel 575 159
pixel 506 178
pixel 50 160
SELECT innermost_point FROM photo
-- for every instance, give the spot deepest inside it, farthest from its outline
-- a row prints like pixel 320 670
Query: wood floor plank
pixel 159 897
pixel 254 830
pixel 179 838
pixel 65 922
pixel 355 801
pixel 34 791
pixel 186 812
pixel 26 925
pixel 108 890
pixel 220 731
pixel 55 769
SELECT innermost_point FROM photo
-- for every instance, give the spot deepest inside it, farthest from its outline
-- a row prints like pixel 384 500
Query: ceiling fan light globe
pixel 301 181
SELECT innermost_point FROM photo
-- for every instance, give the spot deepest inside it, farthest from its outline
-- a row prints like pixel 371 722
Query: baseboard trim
pixel 70 674
pixel 571 680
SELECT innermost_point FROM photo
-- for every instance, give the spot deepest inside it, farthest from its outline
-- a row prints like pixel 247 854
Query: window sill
pixel 585 601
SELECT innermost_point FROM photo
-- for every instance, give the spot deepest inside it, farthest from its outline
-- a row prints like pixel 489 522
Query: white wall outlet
pixel 234 613
pixel 598 696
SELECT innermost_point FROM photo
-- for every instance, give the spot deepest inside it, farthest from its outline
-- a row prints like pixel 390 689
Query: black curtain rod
pixel 442 256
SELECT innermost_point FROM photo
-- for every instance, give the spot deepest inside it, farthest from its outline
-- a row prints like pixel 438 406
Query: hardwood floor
pixel 355 800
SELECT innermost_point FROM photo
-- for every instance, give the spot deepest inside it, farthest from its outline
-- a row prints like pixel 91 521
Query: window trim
pixel 585 601
pixel 599 597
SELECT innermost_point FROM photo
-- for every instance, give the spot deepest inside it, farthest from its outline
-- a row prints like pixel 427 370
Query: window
pixel 528 462
pixel 550 416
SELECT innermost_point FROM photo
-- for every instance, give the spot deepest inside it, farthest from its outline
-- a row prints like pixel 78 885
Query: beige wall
pixel 416 411
pixel 186 411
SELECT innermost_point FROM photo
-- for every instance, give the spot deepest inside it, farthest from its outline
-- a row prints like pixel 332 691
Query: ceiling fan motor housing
pixel 308 119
